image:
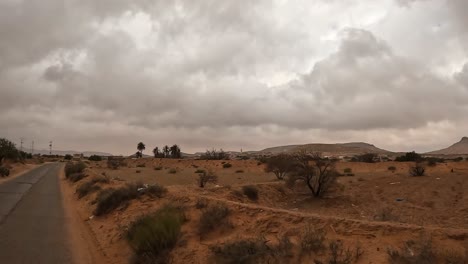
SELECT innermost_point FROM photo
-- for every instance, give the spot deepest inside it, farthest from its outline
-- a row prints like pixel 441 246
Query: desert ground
pixel 372 213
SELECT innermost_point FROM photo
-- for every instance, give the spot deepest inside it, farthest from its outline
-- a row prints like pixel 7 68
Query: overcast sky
pixel 104 75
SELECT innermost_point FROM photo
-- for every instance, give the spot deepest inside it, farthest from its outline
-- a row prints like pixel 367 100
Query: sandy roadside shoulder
pixel 85 247
pixel 18 170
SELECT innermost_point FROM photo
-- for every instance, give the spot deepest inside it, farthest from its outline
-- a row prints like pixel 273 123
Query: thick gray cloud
pixel 234 74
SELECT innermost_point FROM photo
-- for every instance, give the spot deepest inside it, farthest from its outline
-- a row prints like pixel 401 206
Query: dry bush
pixel 172 171
pixel 154 191
pixel 206 177
pixel 110 199
pixel 413 252
pixel 227 165
pixel 392 169
pixel 213 216
pixel 339 254
pixel 312 240
pixel 239 171
pixel 73 168
pixel 454 257
pixel 76 177
pixel 87 188
pixel 253 250
pixel 199 171
pixel 417 170
pixel 143 165
pixel 153 236
pixel 201 203
pixel 4 172
pixel 251 192
pixel 158 168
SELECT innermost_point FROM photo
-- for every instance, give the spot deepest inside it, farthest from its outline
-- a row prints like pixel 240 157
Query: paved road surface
pixel 32 219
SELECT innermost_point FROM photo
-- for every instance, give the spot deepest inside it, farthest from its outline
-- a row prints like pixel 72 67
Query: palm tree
pixel 175 152
pixel 140 148
pixel 156 152
pixel 166 151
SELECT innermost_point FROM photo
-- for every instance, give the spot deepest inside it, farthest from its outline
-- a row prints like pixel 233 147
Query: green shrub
pixel 68 157
pixel 227 165
pixel 4 172
pixel 251 192
pixel 72 168
pixel 153 236
pixel 212 217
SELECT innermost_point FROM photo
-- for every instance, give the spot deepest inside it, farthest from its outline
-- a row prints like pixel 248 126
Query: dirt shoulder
pixel 83 239
pixel 18 169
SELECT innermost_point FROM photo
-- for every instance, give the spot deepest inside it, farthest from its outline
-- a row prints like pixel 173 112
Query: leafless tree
pixel 313 170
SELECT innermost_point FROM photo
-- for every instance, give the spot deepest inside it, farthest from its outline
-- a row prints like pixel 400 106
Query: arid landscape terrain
pixel 375 212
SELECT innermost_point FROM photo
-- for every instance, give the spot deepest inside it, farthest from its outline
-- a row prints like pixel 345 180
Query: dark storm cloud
pixel 229 73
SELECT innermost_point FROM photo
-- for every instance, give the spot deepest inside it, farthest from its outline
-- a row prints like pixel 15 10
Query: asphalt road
pixel 32 219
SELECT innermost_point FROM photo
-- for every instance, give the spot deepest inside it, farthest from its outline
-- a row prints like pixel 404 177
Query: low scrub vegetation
pixel 72 168
pixel 420 251
pixel 172 171
pixel 417 170
pixel 74 172
pixel 253 250
pixel 227 165
pixel 214 155
pixel 409 156
pixel 153 236
pixel 312 240
pixel 87 188
pixel 212 217
pixel 95 158
pixel 392 169
pixel 4 172
pixel 111 199
pixel 200 171
pixel 239 171
pixel 251 192
pixel 206 177
pixel 158 168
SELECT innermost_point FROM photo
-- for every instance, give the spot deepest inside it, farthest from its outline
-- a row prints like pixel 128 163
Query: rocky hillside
pixel 459 148
pixel 354 148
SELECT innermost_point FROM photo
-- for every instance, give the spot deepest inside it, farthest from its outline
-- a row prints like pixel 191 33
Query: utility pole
pixel 21 146
pixel 50 148
pixel 32 148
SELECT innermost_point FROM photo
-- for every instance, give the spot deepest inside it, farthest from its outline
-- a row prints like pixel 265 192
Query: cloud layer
pixel 105 75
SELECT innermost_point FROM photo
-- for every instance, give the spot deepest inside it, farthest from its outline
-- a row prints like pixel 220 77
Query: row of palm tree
pixel 173 152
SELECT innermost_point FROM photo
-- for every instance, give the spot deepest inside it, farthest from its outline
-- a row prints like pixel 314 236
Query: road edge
pixel 84 245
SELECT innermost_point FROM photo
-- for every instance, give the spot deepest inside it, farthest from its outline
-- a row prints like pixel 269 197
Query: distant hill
pixel 71 152
pixel 459 148
pixel 354 148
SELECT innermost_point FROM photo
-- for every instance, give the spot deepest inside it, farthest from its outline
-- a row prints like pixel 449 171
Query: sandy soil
pixel 375 208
